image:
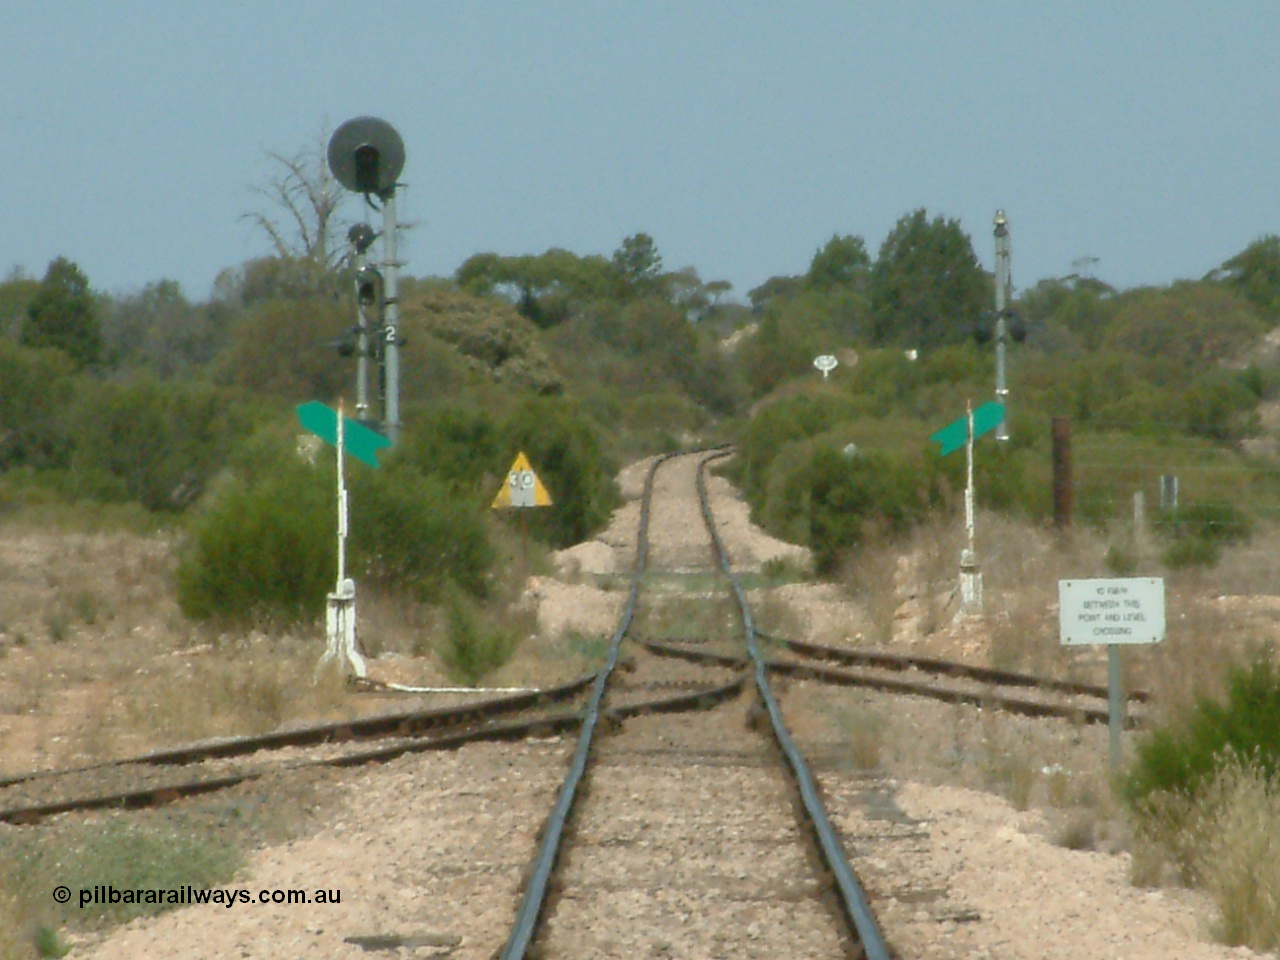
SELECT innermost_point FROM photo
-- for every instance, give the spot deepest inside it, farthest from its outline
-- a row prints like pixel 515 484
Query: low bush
pixel 1180 758
pixel 1189 552
pixel 473 646
pixel 417 533
pixel 151 442
pixel 1213 522
pixel 265 550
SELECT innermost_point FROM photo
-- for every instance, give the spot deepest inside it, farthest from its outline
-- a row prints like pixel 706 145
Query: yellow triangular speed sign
pixel 523 488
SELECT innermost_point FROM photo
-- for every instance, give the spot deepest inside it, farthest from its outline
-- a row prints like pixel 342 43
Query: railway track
pixel 164 776
pixel 737 815
pixel 947 681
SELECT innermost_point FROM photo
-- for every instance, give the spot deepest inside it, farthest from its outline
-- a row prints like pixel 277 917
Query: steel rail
pixel 852 898
pixel 534 898
pixel 898 661
pixel 401 724
pixel 986 698
pixel 149 796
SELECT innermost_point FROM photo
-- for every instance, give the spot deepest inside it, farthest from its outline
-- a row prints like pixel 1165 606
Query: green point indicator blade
pixel 359 441
pixel 953 436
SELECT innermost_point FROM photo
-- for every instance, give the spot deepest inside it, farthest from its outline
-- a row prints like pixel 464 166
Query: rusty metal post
pixel 1063 487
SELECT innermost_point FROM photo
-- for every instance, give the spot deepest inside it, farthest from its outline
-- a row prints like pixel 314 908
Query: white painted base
pixel 342 645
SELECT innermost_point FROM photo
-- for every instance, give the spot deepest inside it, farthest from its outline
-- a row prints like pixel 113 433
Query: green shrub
pixel 415 532
pixel 1120 561
pixel 36 388
pixel 767 436
pixel 826 498
pixel 49 944
pixel 457 443
pixel 1180 758
pixel 151 442
pixel 847 495
pixel 1215 522
pixel 473 646
pixel 1191 552
pixel 264 551
pixel 1198 532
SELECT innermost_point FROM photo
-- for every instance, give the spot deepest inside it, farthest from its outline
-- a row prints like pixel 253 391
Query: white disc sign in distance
pixel 826 363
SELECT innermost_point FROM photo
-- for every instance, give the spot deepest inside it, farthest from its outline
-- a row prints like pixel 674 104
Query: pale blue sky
pixel 740 134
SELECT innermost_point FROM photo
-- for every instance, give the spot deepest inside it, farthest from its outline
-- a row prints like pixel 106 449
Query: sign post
pixel 340 612
pixel 1115 612
pixel 522 489
pixel 962 433
pixel 348 437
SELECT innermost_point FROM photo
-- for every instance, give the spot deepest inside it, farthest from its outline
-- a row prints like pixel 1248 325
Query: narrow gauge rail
pixel 404 723
pixel 946 668
pixel 902 663
pixel 126 785
pixel 884 672
pixel 163 776
pixel 835 879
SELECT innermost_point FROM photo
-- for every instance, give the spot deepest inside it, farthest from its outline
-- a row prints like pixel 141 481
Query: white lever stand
pixel 340 625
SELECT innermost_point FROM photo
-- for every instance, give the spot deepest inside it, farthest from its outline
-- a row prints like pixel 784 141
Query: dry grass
pixel 198 842
pixel 1227 842
pixel 395 625
pixel 1203 641
pixel 1010 763
pixel 235 689
pixel 1238 859
pixel 666 616
pixel 862 729
pixel 773 614
pixel 1246 568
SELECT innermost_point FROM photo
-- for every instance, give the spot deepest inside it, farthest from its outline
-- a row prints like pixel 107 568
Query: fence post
pixel 1063 488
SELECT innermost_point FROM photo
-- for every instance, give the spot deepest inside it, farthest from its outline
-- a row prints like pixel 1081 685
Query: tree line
pixel 151 399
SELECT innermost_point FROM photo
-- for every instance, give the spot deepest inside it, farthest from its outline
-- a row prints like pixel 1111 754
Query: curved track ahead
pixel 833 878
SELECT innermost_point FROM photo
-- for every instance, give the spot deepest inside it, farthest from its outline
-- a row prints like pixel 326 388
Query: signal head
pixel 361 237
pixel 368 287
pixel 366 155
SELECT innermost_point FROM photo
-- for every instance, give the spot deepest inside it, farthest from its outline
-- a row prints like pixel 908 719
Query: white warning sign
pixel 523 488
pixel 1126 610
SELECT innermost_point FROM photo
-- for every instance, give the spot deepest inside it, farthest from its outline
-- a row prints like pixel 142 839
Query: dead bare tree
pixel 306 201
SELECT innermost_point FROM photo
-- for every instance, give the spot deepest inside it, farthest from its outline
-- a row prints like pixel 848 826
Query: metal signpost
pixel 366 155
pixel 349 437
pixel 522 490
pixel 961 433
pixel 1114 612
pixel 1004 293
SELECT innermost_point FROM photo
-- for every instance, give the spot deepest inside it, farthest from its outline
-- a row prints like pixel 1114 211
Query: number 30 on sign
pixel 523 488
